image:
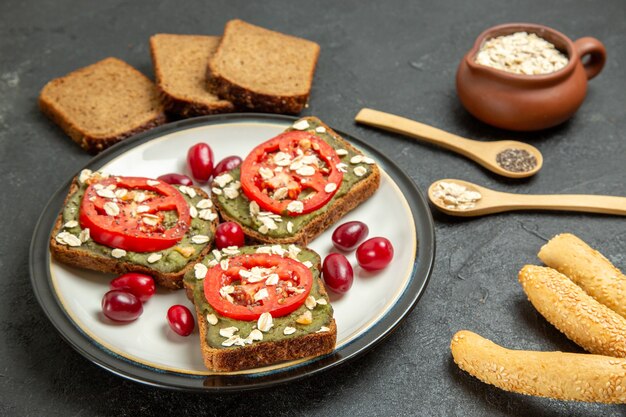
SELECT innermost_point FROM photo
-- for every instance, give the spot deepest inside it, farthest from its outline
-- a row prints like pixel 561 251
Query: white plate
pixel 149 343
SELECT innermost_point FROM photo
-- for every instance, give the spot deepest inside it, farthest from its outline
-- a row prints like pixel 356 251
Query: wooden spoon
pixel 496 202
pixel 484 153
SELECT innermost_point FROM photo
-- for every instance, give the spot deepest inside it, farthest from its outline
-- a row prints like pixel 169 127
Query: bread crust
pixel 265 353
pixel 247 98
pixel 81 258
pixel 86 140
pixel 362 191
pixel 588 268
pixel 558 375
pixel 185 108
pixel 261 354
pixel 591 325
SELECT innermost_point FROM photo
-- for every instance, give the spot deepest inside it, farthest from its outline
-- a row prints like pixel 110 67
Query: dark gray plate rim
pixel 42 282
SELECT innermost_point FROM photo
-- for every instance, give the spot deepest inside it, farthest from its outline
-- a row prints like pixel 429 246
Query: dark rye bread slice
pixel 263 353
pixel 102 104
pixel 338 206
pixel 262 70
pixel 180 70
pixel 87 259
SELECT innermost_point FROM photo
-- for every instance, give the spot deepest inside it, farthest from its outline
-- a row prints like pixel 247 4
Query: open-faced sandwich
pixel 131 224
pixel 291 188
pixel 258 305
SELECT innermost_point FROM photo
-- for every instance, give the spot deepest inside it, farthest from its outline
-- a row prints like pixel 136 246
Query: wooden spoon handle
pixel 421 131
pixel 567 202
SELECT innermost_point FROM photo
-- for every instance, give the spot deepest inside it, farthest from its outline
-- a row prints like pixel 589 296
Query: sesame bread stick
pixel 558 375
pixel 588 269
pixel 593 326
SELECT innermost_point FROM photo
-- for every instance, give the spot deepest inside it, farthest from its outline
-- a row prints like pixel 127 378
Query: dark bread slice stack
pixel 102 104
pixel 262 70
pixel 305 344
pixel 101 261
pixel 335 209
pixel 180 70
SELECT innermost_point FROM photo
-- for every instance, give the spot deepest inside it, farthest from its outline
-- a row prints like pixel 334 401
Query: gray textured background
pixel 398 56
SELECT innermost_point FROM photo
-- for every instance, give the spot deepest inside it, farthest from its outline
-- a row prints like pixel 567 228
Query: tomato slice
pixel 127 213
pixel 291 174
pixel 257 283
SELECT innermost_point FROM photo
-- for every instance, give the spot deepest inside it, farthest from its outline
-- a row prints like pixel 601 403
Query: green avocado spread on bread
pixel 321 314
pixel 238 208
pixel 172 259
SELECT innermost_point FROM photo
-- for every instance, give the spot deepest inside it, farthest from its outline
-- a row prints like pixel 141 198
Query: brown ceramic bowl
pixel 528 102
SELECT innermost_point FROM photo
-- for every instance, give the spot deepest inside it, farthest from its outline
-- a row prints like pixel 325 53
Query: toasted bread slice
pixel 102 104
pixel 85 253
pixel 353 191
pixel 262 70
pixel 301 341
pixel 180 70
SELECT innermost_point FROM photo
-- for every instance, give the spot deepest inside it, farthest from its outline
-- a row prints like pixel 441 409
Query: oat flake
pixel 85 174
pixel 356 159
pixel 301 125
pixel 155 257
pixel 84 235
pixel 200 239
pixel 228 331
pixel 223 179
pixel 106 193
pixel 111 208
pixel 255 335
pixel 205 203
pixel 330 187
pixel 70 224
pixel 200 271
pixel 295 206
pixel 360 171
pixel 230 341
pixel 212 319
pixel 265 322
pixel 310 302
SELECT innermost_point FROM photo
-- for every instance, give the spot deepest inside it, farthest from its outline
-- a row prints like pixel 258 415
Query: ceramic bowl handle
pixel 597 55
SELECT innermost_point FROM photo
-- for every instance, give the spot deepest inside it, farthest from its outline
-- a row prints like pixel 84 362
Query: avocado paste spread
pixel 173 259
pixel 322 313
pixel 239 207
